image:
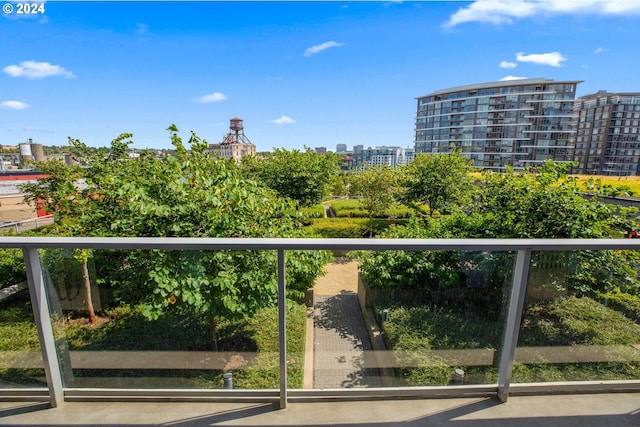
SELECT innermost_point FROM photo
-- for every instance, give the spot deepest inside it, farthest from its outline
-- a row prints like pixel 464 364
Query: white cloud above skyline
pixel 506 11
pixel 320 47
pixel 506 78
pixel 600 50
pixel 142 29
pixel 507 64
pixel 553 59
pixel 14 105
pixel 36 70
pixel 212 97
pixel 284 120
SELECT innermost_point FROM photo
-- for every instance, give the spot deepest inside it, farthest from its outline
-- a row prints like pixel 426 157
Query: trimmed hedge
pixel 345 227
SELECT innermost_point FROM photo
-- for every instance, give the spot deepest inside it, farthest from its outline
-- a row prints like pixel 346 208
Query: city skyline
pixel 299 73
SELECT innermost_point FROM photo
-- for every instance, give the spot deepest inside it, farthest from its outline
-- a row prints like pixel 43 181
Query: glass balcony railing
pixel 499 316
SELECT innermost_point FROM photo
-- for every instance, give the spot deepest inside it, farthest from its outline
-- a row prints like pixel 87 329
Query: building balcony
pixel 323 383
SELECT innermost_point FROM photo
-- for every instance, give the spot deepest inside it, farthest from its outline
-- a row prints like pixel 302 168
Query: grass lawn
pixel 126 329
pixel 559 325
pixel 633 182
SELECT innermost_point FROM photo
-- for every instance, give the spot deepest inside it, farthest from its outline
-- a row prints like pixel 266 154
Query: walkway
pixel 340 335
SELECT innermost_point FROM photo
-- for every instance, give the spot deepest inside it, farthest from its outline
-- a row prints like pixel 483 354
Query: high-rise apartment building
pixel 608 134
pixel 390 156
pixel 517 123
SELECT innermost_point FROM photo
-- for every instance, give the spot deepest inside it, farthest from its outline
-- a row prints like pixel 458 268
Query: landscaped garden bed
pixel 125 329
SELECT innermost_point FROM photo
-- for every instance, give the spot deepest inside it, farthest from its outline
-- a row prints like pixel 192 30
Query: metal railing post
pixel 282 327
pixel 42 316
pixel 512 328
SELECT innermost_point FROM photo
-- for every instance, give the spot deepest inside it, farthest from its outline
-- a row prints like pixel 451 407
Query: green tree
pixel 441 180
pixel 377 187
pixel 545 203
pixel 187 195
pixel 303 176
pixel 537 203
pixel 59 193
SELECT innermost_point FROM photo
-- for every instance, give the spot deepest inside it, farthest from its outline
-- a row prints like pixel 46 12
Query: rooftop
pixel 501 83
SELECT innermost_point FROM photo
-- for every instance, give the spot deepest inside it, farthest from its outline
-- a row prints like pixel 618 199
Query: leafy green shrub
pixel 628 304
pixel 12 268
pixel 302 269
pixel 426 270
pixel 572 320
pixel 129 330
pixel 17 328
pixel 426 328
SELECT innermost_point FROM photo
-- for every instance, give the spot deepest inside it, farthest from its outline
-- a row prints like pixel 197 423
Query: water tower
pixel 236 134
pixel 235 145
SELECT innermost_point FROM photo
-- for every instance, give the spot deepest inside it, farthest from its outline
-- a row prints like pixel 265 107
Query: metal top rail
pixel 189 243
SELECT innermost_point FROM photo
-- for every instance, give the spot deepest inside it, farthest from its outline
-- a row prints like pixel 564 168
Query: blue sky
pixel 299 73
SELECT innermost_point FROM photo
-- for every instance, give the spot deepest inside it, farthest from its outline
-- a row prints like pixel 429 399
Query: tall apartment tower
pixel 518 123
pixel 608 138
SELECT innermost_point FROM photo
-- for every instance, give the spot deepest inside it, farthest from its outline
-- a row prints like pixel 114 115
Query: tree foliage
pixel 538 203
pixel 377 188
pixel 303 176
pixel 442 180
pixel 545 203
pixel 187 195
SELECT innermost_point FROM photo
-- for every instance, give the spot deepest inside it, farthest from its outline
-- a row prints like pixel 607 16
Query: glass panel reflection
pixel 20 356
pixel 165 319
pixel 431 318
pixel 581 318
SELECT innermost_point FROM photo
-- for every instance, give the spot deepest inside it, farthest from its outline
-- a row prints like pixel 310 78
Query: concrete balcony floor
pixel 616 409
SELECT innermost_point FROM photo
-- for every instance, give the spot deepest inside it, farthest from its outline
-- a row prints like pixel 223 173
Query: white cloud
pixel 36 70
pixel 142 29
pixel 284 120
pixel 506 64
pixel 13 105
pixel 505 78
pixel 319 48
pixel 600 50
pixel 553 59
pixel 212 97
pixel 505 11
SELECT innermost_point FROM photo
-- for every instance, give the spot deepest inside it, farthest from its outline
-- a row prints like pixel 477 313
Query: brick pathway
pixel 340 335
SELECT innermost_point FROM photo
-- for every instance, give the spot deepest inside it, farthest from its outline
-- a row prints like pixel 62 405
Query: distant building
pixel 235 145
pixel 31 151
pixel 346 163
pixel 516 123
pixel 390 156
pixel 608 134
pixel 341 148
pixel 320 150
